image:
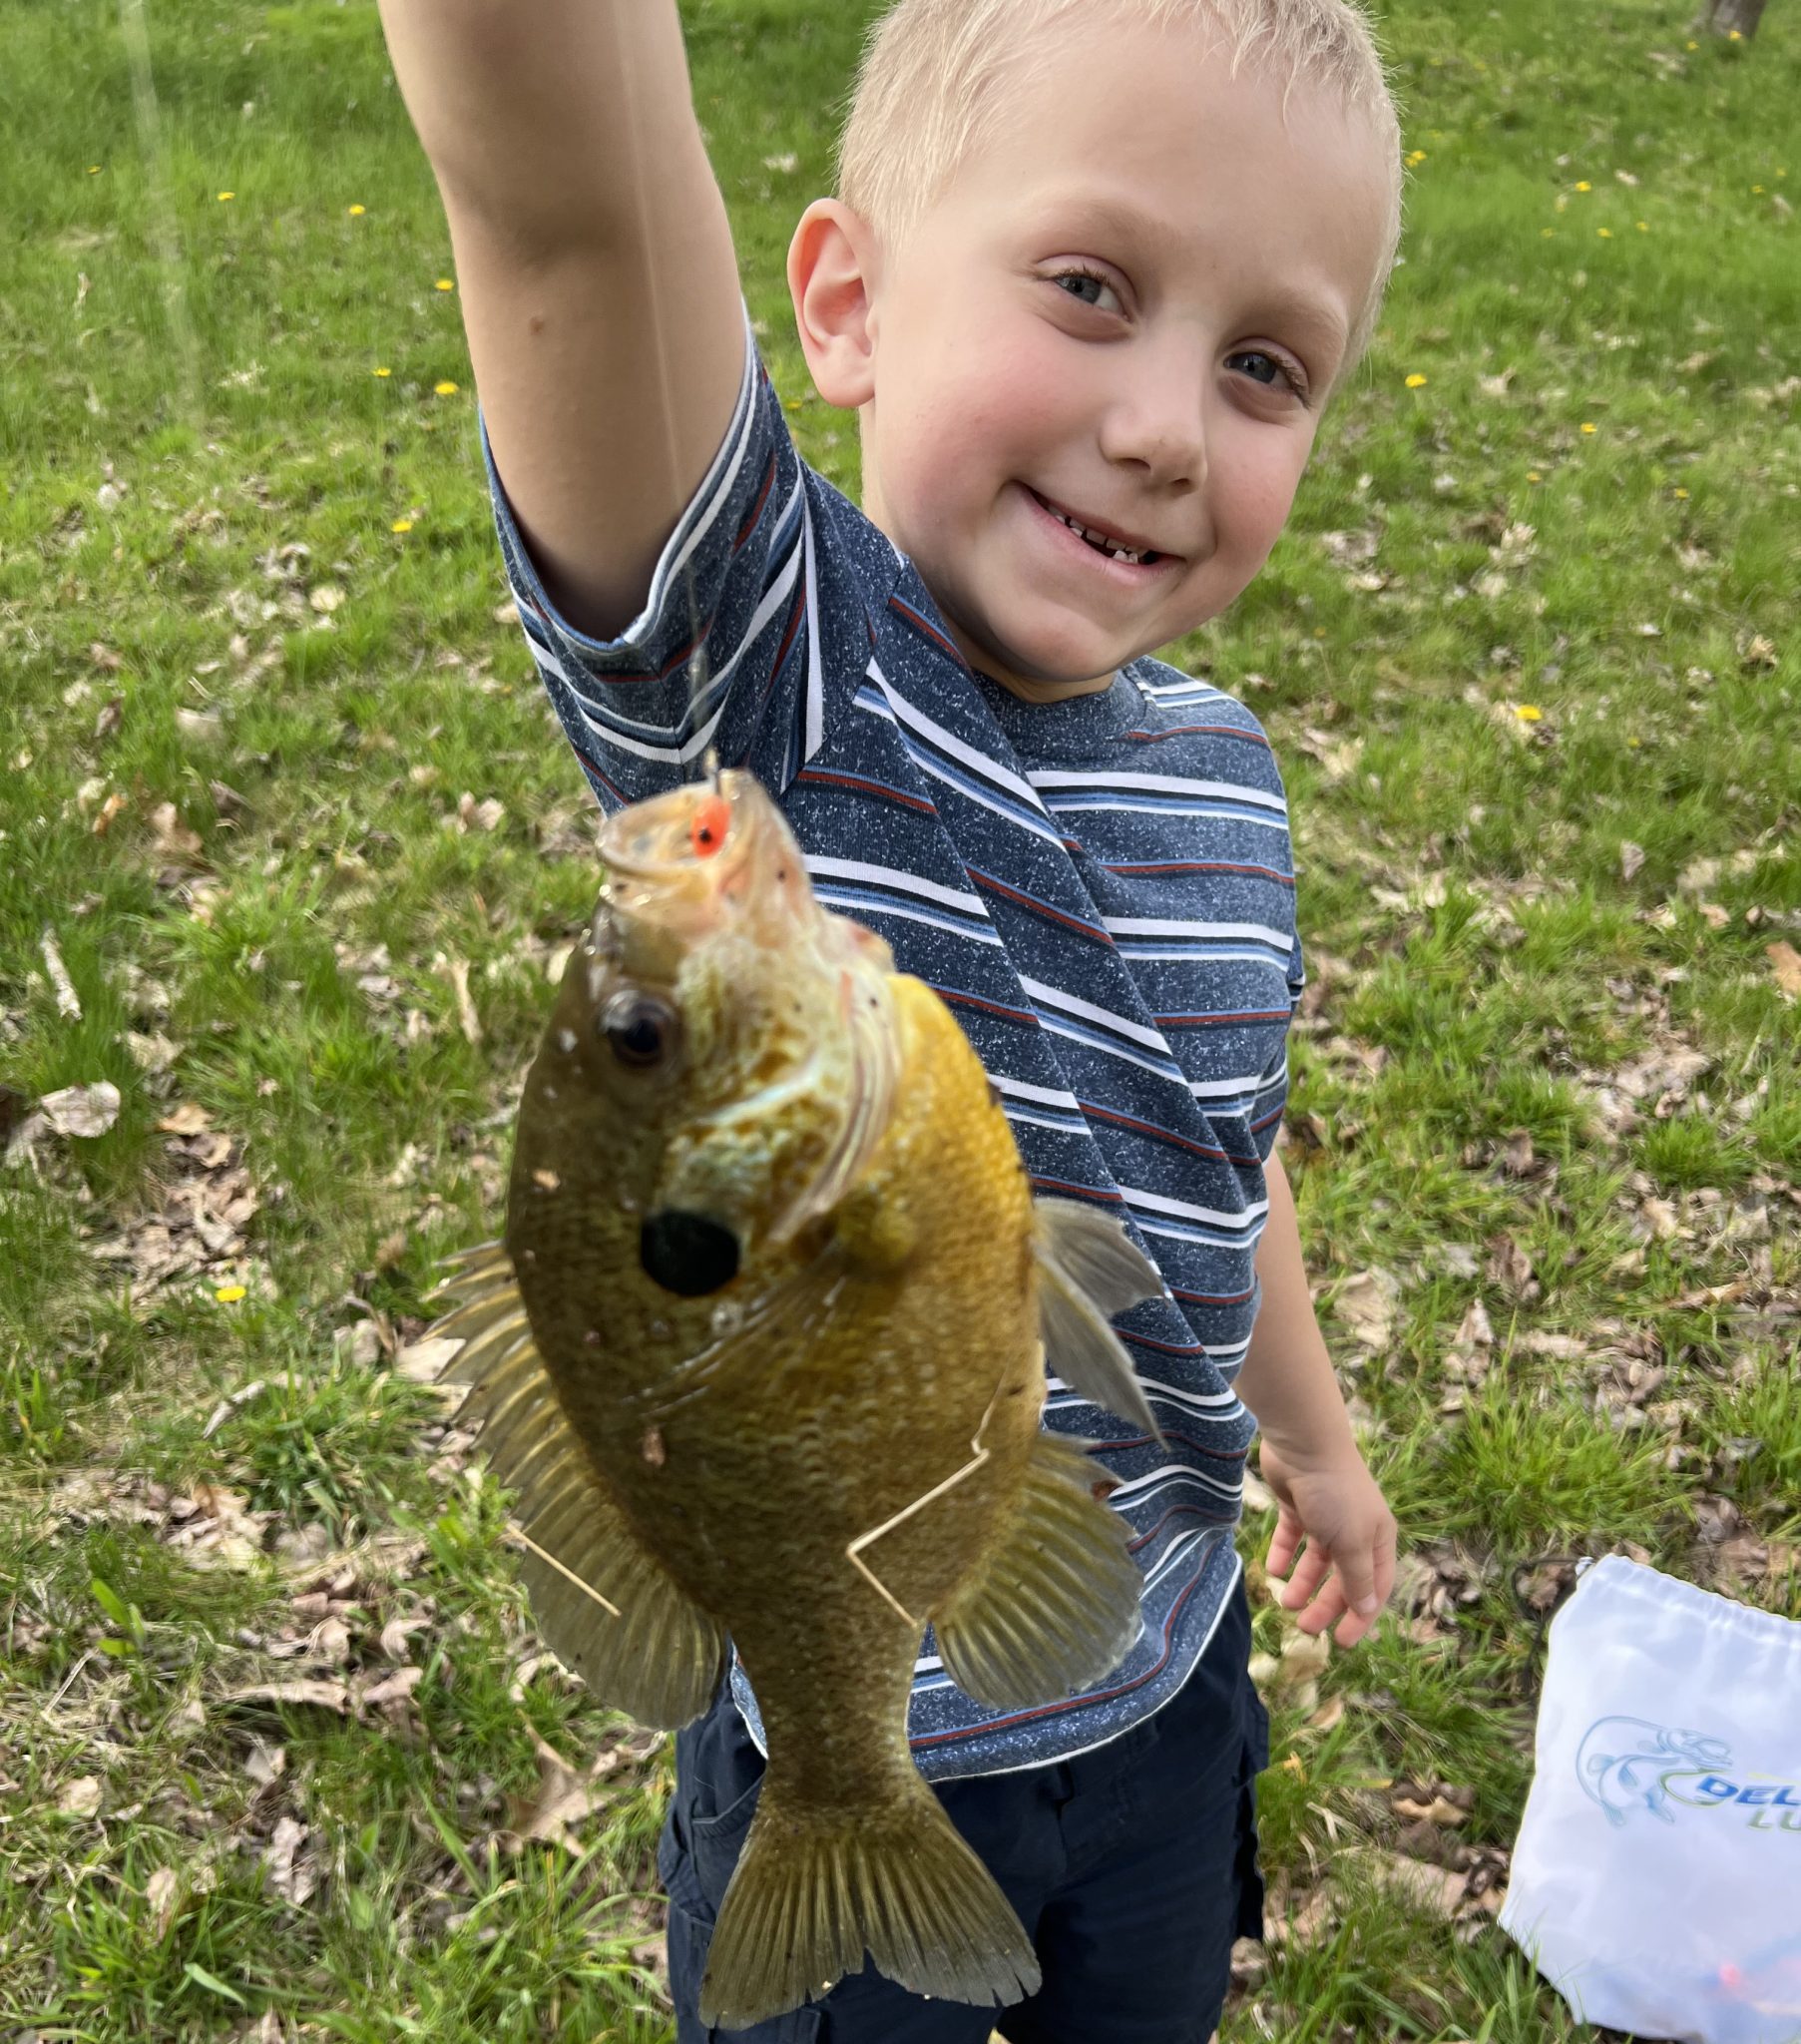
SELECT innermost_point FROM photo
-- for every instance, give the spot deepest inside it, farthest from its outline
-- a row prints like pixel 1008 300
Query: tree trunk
pixel 1729 18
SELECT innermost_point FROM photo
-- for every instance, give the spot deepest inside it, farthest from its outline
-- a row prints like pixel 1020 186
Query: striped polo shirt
pixel 1103 890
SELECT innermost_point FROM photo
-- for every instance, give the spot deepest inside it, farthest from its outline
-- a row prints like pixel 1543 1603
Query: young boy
pixel 1096 265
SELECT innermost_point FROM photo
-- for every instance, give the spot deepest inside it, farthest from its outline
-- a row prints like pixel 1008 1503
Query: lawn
pixel 290 849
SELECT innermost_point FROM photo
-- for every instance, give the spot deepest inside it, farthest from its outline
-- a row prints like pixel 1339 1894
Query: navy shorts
pixel 1133 1868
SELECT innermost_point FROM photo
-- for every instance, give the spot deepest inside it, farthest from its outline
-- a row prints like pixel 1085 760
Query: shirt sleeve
pixel 697 667
pixel 1272 1086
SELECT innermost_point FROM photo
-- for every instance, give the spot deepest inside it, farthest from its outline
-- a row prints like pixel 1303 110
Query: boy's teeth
pixel 1097 540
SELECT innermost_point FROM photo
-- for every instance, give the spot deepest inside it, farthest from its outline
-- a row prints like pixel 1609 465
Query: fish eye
pixel 639 1029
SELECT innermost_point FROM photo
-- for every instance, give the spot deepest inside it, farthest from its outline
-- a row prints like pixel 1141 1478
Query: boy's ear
pixel 831 264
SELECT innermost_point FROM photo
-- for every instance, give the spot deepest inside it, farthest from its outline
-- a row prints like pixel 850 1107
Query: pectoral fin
pixel 1088 1269
pixel 1056 1606
pixel 606 1605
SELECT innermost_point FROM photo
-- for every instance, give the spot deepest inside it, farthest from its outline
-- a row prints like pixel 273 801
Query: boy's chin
pixel 1059 664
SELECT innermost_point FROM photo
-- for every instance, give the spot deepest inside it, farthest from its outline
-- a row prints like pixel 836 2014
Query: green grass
pixel 205 602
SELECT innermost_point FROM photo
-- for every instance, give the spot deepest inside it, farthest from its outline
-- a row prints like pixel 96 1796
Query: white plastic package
pixel 1657 1881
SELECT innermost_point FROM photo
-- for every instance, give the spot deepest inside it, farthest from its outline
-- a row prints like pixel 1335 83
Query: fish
pixel 763 1353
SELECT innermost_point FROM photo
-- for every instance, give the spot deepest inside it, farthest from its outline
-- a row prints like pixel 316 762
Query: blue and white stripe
pixel 1062 897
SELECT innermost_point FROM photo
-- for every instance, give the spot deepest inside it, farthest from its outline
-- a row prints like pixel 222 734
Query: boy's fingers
pixel 1357 1572
pixel 1307 1575
pixel 1325 1609
pixel 1353 1629
pixel 1282 1545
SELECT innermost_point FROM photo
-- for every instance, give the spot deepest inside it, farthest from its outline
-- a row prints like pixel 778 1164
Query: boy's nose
pixel 1158 419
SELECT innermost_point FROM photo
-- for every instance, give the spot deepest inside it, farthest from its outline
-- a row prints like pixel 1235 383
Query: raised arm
pixel 595 264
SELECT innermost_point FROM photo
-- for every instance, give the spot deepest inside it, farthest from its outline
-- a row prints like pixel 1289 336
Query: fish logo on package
pixel 1628 1765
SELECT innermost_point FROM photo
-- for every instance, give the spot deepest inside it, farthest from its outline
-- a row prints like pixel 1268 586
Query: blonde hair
pixel 935 74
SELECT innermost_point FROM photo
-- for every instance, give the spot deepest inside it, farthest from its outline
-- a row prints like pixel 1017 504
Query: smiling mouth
pixel 1101 542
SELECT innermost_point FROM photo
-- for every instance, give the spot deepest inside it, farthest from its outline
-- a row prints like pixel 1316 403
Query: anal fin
pixel 1056 1606
pixel 606 1605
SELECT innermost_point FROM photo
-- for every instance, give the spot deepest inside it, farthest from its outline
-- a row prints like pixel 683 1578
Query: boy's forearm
pixel 522 108
pixel 1287 1378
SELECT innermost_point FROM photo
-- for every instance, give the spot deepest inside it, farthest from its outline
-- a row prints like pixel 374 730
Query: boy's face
pixel 1169 397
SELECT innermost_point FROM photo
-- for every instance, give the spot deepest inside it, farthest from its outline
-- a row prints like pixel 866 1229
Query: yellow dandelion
pixel 1529 713
pixel 1734 35
pixel 1416 381
pixel 1641 227
pixel 223 196
pixel 94 171
pixel 1633 743
pixel 229 1294
pixel 445 284
pixel 401 525
pixel 1532 476
pixel 1678 491
pixel 1605 234
pixel 1587 428
pixel 1695 46
pixel 446 389
pixel 356 212
pixel 1583 185
pixel 1416 155
pixel 1756 187
pixel 381 372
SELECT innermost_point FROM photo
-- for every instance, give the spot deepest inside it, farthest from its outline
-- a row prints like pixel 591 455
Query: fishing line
pixel 698 665
pixel 981 1455
pixel 165 241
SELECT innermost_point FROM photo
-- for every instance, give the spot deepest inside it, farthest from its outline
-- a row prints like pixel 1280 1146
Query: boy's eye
pixel 1265 369
pixel 1073 280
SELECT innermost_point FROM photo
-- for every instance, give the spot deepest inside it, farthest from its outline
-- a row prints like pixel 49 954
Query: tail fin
pixel 805 1902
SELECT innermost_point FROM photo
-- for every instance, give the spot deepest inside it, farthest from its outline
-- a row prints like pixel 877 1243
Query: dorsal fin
pixel 1090 1269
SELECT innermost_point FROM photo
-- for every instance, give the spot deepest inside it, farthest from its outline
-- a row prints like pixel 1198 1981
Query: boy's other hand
pixel 1347 1569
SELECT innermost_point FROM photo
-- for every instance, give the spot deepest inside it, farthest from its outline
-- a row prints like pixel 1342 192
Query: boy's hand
pixel 1349 1531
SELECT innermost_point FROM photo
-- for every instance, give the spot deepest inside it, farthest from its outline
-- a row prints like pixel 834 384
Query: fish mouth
pixel 715 862
pixel 681 861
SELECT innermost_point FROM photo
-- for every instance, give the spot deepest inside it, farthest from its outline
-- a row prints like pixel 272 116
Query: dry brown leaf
pixel 329 1642
pixel 1785 960
pixel 1560 1348
pixel 189 1119
pixel 1366 1304
pixel 1435 1889
pixel 85 1111
pixel 174 838
pixel 458 970
pixel 80 1798
pixel 564 1796
pixel 163 1893
pixel 68 1001
pixel 422 1361
pixel 265 1763
pixel 1473 1343
pixel 1511 1268
pixel 394 1688
pixel 1315 1916
pixel 330 1695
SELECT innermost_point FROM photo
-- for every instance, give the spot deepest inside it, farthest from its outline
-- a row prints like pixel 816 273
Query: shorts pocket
pixel 1255 1759
pixel 696 1855
pixel 694 1859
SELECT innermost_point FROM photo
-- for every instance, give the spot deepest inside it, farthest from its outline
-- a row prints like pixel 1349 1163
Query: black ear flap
pixel 687 1253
